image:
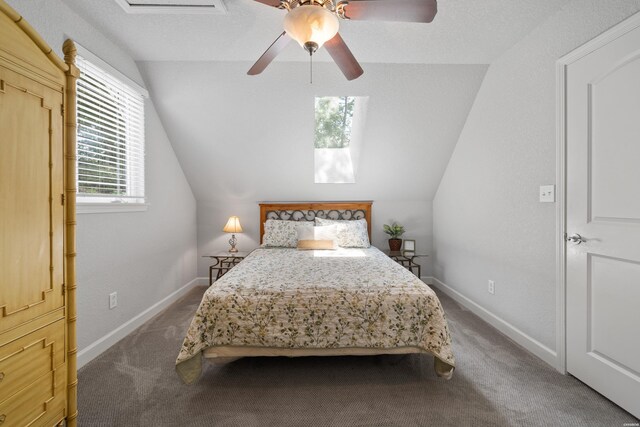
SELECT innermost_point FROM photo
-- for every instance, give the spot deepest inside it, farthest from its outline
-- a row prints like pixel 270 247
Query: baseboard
pixel 529 343
pixel 427 279
pixel 96 348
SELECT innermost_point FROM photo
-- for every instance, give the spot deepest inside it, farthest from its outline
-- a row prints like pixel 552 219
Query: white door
pixel 603 207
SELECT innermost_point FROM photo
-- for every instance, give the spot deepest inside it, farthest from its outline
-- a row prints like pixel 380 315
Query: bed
pixel 281 301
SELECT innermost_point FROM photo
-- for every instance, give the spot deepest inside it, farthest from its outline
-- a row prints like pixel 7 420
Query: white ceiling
pixel 463 32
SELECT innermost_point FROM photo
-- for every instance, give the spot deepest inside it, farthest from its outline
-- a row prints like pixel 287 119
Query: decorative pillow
pixel 351 234
pixel 321 237
pixel 281 233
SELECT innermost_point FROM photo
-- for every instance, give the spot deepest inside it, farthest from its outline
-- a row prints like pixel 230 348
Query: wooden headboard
pixel 308 211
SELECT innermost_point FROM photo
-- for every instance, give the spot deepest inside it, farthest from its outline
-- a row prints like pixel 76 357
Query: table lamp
pixel 233 226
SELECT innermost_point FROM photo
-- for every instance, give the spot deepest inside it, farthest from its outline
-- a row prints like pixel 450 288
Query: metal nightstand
pixel 224 261
pixel 406 259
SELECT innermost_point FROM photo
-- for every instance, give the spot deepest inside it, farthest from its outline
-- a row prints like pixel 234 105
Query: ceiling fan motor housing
pixel 337 6
pixel 292 4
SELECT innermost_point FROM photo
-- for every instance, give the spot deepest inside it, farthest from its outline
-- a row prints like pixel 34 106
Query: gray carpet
pixel 496 383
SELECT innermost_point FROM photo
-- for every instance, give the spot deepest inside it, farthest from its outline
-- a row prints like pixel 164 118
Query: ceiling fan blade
pixel 341 54
pixel 392 10
pixel 274 3
pixel 269 55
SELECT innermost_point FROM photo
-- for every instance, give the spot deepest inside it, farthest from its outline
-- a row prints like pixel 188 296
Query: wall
pixel 246 139
pixel 144 256
pixel 488 223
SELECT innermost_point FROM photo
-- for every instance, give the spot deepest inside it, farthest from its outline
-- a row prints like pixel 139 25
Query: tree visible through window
pixel 334 118
pixel 338 137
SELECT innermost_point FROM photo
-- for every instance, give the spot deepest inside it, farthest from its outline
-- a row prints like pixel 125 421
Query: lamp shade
pixel 311 24
pixel 233 225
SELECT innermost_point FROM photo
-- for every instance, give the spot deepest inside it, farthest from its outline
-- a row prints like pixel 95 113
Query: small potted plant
pixel 394 231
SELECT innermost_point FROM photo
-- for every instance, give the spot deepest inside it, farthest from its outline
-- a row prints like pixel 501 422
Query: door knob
pixel 575 238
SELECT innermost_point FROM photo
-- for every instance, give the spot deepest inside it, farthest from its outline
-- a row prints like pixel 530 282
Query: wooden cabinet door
pixel 31 206
pixel 32 314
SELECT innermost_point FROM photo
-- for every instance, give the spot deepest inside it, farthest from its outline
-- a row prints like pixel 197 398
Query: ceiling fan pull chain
pixel 311 67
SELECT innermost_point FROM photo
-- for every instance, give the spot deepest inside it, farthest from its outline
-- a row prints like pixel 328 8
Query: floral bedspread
pixel 285 298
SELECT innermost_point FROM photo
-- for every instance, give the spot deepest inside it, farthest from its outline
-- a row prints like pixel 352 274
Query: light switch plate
pixel 113 300
pixel 547 193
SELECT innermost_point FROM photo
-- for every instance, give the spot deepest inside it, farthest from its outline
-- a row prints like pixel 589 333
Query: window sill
pixel 92 208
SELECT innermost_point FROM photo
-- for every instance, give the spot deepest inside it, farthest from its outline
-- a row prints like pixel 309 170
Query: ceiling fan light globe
pixel 314 24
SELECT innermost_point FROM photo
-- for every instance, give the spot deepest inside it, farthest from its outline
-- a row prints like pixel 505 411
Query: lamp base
pixel 232 242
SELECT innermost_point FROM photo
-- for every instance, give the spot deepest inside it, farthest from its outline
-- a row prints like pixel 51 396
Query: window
pixel 110 137
pixel 338 138
pixel 334 120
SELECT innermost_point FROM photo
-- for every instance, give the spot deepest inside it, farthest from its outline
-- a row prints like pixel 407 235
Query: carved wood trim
pixel 33 35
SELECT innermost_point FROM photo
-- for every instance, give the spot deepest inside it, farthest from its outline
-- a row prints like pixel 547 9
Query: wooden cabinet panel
pixel 36 404
pixel 38 382
pixel 31 188
pixel 33 372
pixel 29 357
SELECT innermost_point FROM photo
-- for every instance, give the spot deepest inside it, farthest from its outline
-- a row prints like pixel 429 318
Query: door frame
pixel 562 64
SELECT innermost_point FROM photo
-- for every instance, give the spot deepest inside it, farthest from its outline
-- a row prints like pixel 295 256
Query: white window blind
pixel 110 138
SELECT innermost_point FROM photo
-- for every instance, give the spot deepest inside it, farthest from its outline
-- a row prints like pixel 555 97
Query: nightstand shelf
pixel 223 262
pixel 407 259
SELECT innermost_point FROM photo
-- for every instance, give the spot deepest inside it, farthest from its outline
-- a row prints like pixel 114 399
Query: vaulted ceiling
pixel 251 138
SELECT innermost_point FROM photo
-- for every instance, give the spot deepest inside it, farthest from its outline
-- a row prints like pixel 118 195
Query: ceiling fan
pixel 314 23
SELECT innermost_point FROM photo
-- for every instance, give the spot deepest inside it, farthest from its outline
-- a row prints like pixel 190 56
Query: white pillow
pixel 351 234
pixel 321 237
pixel 282 234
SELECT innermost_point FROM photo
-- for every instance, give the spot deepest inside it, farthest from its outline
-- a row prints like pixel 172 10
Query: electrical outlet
pixel 492 287
pixel 113 300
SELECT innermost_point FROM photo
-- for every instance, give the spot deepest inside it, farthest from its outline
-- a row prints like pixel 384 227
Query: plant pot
pixel 395 244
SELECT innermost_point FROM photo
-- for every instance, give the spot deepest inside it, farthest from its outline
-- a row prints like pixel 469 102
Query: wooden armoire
pixel 38 382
